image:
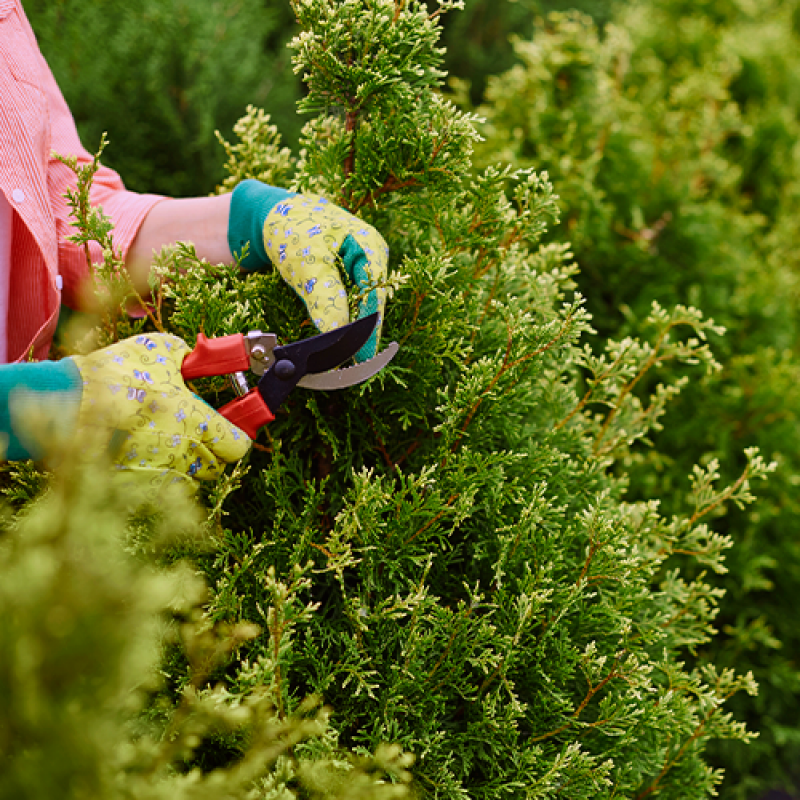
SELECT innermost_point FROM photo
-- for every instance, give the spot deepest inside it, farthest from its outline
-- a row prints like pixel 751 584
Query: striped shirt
pixel 35 122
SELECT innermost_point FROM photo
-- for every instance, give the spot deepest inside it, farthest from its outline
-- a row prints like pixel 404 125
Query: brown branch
pixel 670 763
pixel 322 549
pixel 435 519
pixel 593 690
pixel 505 367
pixel 410 328
pixel 444 654
pixel 598 578
pixel 391 184
pixel 381 444
pixel 351 122
pixel 594 546
pixel 412 447
pixel 437 223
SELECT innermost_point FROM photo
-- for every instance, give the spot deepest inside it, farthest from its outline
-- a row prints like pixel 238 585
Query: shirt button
pixel 59 282
pixel 18 196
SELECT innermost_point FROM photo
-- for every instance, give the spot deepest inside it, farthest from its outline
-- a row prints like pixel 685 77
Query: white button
pixel 18 196
pixel 59 283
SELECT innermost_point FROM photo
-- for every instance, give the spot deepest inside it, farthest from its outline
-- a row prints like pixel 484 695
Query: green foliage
pixel 161 76
pixel 449 555
pixel 171 72
pixel 462 572
pixel 85 613
pixel 672 138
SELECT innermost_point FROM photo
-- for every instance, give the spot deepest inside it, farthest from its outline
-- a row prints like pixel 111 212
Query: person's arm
pixel 203 221
pixel 312 242
pixel 128 398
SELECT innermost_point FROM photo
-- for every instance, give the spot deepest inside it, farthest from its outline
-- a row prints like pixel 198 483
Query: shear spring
pixel 239 383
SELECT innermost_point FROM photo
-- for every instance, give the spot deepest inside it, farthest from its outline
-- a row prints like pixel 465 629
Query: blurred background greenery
pixel 670 129
pixel 160 76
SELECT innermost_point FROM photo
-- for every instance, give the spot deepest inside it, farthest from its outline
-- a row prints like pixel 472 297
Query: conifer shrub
pixel 672 138
pixel 447 555
pixel 89 600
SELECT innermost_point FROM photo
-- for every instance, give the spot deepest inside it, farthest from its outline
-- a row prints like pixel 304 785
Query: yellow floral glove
pixel 308 238
pixel 163 432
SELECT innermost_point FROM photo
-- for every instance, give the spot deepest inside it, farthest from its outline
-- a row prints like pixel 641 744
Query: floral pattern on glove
pixel 306 237
pixel 162 432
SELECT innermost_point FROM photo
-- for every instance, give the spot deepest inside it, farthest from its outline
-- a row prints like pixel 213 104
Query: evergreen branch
pixel 696 734
pixel 444 655
pixel 721 499
pixel 487 305
pixel 593 690
pixel 590 392
pixel 435 519
pixel 653 411
pixel 276 634
pixel 628 387
pixel 594 546
pixel 94 226
pixel 696 594
pixel 509 365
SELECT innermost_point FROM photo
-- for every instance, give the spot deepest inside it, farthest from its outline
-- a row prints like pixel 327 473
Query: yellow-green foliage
pixel 88 607
pixel 672 138
pixel 448 555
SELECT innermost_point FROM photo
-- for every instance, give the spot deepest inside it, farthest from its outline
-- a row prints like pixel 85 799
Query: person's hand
pixel 308 239
pixel 162 432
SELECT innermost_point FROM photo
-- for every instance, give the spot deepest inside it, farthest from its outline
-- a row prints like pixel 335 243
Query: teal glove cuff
pixel 28 384
pixel 250 203
pixel 356 265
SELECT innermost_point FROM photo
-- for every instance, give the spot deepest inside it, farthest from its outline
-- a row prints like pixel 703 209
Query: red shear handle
pixel 248 413
pixel 216 357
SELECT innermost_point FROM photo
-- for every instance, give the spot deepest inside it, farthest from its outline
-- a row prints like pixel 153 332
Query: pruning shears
pixel 310 363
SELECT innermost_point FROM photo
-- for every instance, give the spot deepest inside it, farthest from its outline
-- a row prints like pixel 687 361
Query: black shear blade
pixel 312 356
pixel 326 351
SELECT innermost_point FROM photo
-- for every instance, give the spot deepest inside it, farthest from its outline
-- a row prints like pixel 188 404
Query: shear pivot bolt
pixel 284 369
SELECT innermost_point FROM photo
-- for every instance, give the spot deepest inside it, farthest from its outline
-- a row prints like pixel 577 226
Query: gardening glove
pixel 307 238
pixel 130 396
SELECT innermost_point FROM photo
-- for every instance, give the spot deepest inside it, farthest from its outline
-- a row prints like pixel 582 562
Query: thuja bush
pixel 447 555
pixel 89 600
pixel 459 569
pixel 672 138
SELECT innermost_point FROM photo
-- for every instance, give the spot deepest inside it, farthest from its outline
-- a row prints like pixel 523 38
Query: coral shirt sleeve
pixel 126 209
